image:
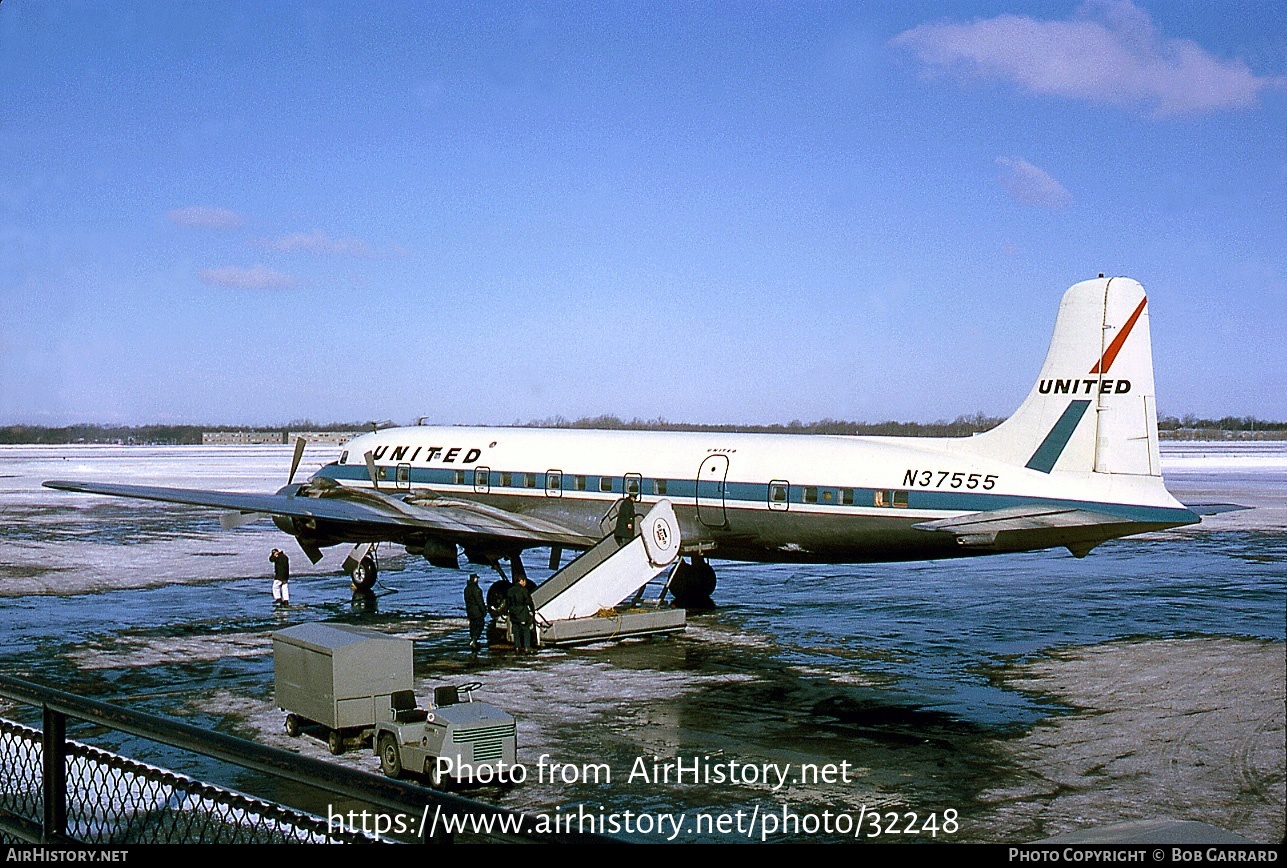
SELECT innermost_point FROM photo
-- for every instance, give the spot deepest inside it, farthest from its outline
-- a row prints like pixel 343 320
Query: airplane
pixel 1076 465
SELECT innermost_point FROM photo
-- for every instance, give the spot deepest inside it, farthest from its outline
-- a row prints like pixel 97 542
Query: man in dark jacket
pixel 522 614
pixel 475 610
pixel 281 577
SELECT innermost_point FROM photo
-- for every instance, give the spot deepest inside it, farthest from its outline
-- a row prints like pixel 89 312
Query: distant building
pixel 339 438
pixel 242 438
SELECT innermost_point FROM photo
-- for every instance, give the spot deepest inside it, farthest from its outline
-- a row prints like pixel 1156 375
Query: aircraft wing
pixel 440 516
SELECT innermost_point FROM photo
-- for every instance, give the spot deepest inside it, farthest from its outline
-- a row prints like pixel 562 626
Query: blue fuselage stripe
pixel 747 494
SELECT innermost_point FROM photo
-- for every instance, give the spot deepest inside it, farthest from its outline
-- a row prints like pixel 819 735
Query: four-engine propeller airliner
pixel 1076 465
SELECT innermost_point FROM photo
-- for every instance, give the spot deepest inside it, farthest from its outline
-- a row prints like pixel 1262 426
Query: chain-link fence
pixel 113 800
pixel 21 793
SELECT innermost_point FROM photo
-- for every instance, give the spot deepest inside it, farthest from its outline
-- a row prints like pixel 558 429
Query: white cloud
pixel 258 277
pixel 315 242
pixel 1031 185
pixel 1109 52
pixel 205 217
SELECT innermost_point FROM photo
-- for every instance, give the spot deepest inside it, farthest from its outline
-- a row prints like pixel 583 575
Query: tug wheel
pixel 292 725
pixel 390 758
pixel 364 574
pixel 335 742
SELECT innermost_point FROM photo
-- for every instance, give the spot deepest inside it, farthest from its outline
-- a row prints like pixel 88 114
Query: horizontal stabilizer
pixel 982 528
pixel 1215 508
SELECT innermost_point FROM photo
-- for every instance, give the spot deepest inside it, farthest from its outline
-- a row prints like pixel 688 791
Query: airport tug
pixel 457 741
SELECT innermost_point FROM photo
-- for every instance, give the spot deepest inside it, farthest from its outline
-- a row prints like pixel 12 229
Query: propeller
pixel 233 520
pixel 300 442
pixel 310 549
pixel 370 469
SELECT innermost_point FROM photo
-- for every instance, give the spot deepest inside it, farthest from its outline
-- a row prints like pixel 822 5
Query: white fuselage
pixel 761 497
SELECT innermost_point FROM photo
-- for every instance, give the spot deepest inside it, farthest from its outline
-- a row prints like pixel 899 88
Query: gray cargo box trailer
pixel 340 677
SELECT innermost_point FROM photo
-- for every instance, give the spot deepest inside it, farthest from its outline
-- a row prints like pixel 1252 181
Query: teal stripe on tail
pixel 1053 446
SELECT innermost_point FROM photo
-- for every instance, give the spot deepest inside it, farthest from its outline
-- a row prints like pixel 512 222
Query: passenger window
pixel 578 482
pixel 605 483
pixel 506 478
pixel 778 493
pixel 659 486
pixel 882 497
pixel 810 494
pixel 480 478
pixel 828 495
pixel 382 472
pixel 847 496
pixel 529 480
pixel 632 485
pixel 458 476
pixel 900 498
pixel 553 481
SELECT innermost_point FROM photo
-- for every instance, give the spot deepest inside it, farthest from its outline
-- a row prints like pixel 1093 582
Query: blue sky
pixel 714 212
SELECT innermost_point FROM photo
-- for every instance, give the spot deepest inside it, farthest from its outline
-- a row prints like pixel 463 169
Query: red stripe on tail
pixel 1102 366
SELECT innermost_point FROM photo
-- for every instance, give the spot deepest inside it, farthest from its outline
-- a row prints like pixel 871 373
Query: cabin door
pixel 711 482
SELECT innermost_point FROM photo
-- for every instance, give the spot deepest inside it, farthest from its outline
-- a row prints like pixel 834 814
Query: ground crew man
pixel 475 610
pixel 281 577
pixel 522 614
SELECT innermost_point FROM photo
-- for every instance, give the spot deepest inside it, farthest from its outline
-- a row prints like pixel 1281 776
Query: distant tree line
pixel 1169 427
pixel 1185 427
pixel 962 426
pixel 162 435
pixel 1225 423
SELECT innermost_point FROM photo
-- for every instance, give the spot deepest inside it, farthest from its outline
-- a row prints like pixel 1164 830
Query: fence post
pixel 53 743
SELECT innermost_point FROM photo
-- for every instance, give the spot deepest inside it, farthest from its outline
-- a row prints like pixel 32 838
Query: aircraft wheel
pixel 292 725
pixel 390 758
pixel 705 583
pixel 364 574
pixel 335 742
pixel 692 584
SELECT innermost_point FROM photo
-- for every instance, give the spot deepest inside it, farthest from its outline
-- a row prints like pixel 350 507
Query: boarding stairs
pixel 576 604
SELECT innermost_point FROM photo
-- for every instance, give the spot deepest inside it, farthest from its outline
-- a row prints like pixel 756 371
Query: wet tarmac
pixel 1031 694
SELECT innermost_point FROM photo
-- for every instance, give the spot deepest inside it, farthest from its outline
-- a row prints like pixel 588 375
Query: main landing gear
pixel 365 573
pixel 692 583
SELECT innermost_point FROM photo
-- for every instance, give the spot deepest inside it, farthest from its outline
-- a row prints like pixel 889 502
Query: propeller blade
pixel 294 464
pixel 234 520
pixel 311 550
pixel 370 469
pixel 355 557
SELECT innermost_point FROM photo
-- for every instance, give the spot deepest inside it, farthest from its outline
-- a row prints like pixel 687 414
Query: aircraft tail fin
pixel 1093 408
